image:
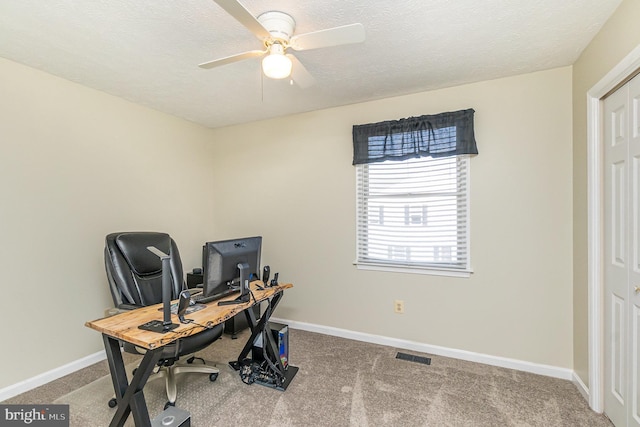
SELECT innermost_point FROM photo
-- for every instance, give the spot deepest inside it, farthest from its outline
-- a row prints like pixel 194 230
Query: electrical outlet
pixel 398 306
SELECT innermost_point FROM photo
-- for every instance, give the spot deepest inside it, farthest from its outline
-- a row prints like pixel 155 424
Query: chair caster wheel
pixel 166 405
pixel 134 371
pixel 113 403
pixel 213 377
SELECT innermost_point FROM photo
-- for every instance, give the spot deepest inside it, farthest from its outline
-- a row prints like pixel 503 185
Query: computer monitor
pixel 220 263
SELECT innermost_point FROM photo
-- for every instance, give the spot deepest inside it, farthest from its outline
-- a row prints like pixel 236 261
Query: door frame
pixel 595 111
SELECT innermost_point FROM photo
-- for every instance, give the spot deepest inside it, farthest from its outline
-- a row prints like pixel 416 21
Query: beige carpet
pixel 348 383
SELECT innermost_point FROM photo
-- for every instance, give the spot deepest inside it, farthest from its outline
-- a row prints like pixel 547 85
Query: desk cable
pixel 209 324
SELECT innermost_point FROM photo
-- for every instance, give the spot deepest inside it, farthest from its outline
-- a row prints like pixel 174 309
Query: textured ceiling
pixel 148 51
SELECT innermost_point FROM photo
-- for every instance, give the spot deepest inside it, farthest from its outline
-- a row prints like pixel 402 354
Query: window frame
pixel 416 268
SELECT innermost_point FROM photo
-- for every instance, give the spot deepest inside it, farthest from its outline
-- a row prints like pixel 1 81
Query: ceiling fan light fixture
pixel 276 65
pixel 276 30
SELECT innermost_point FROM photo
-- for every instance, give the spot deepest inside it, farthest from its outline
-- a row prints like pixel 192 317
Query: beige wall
pixel 76 164
pixel 619 36
pixel 291 180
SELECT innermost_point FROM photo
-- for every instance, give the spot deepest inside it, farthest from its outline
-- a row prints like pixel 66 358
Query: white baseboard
pixel 54 374
pixel 520 365
pixel 582 388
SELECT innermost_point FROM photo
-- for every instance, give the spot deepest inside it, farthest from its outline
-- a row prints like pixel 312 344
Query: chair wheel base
pixel 113 402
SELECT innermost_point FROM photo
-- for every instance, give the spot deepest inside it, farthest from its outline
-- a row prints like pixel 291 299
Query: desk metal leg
pixel 282 377
pixel 272 346
pixel 256 326
pixel 129 396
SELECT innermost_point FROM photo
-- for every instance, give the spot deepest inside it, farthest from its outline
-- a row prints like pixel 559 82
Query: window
pixel 413 214
pixel 413 193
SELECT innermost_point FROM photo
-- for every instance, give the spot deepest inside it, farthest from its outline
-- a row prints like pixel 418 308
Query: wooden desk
pixel 124 326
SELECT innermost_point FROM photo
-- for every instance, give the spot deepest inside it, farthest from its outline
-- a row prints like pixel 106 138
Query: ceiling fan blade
pixel 242 15
pixel 299 73
pixel 232 59
pixel 347 34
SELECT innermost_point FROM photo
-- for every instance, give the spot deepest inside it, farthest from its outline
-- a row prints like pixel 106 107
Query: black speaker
pixel 194 279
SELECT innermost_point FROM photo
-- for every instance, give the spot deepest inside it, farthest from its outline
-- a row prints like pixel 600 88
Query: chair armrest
pixel 126 307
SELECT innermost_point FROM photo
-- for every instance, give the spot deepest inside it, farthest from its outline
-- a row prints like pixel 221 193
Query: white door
pixel 622 255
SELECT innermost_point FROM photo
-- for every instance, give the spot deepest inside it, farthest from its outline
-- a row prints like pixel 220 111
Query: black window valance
pixel 438 135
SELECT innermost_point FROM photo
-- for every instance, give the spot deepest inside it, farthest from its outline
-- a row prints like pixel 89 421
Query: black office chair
pixel 135 280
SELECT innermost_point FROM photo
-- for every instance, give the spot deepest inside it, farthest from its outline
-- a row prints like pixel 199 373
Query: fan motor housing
pixel 279 24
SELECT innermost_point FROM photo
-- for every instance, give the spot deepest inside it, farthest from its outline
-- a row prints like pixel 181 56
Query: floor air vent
pixel 412 358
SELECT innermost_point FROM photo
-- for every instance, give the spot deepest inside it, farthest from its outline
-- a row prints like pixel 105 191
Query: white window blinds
pixel 414 213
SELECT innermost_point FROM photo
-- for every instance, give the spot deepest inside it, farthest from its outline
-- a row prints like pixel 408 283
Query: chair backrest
pixel 135 273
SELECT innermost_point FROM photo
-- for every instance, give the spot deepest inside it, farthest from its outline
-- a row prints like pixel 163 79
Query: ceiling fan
pixel 276 31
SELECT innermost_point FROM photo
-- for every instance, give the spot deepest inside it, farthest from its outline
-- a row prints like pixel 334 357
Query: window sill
pixel 413 270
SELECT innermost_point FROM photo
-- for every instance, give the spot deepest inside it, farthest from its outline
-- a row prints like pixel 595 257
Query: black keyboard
pixel 200 298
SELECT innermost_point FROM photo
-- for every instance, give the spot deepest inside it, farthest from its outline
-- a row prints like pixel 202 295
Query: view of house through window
pixel 413 213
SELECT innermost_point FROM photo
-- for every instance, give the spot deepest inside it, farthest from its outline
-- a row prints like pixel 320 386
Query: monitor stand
pixel 244 287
